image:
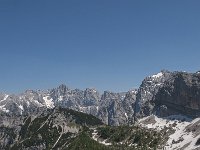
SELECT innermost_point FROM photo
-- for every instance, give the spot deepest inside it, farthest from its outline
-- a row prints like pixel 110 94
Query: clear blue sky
pixel 106 44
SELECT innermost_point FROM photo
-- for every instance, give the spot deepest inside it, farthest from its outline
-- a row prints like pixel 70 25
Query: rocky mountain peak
pixel 163 93
pixel 110 95
pixel 63 89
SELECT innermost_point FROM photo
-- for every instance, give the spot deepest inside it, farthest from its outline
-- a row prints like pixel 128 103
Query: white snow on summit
pixel 160 74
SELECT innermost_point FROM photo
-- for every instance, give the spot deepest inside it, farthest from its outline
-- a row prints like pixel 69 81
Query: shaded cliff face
pixel 117 108
pixel 169 93
pixel 150 86
pixel 179 95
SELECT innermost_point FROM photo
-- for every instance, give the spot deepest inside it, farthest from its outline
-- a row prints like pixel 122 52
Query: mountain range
pixel 158 98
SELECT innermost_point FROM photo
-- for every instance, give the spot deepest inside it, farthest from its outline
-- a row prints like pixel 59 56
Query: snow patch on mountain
pixel 96 138
pixel 3 108
pixel 21 107
pixel 37 103
pixel 126 115
pixel 160 74
pixel 49 102
pixel 181 137
pixel 5 97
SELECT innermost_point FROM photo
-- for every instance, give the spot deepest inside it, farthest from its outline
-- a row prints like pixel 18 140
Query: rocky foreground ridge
pixel 66 129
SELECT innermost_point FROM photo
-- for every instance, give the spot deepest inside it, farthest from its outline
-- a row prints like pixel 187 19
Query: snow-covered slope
pixel 182 132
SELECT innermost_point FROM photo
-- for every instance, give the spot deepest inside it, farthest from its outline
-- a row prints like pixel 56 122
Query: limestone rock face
pixel 169 93
pixel 147 91
pixel 179 95
pixel 112 108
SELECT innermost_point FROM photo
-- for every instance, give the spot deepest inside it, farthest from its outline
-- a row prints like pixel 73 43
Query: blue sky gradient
pixel 110 45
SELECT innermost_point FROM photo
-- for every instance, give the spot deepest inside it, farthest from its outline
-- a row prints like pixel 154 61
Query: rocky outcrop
pixel 81 100
pixel 144 104
pixel 169 93
pixel 179 95
pixel 110 109
pixel 117 108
